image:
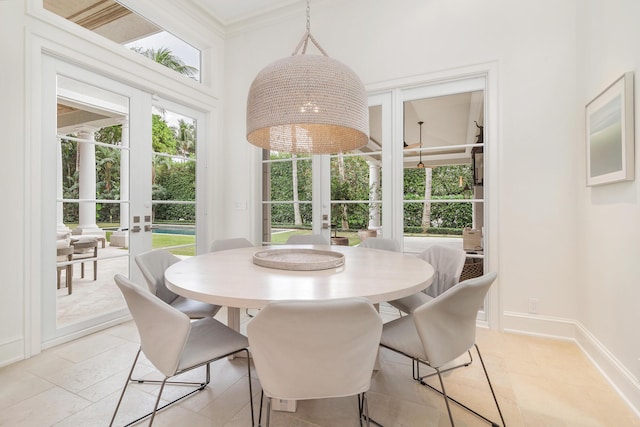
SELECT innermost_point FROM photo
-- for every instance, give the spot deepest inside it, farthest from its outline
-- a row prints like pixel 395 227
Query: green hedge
pixel 435 230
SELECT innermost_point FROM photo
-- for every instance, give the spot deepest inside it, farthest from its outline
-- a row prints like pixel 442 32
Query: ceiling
pixel 233 11
pixel 104 17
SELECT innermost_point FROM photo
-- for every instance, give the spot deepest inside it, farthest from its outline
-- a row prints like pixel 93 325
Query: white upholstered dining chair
pixel 380 243
pixel 153 265
pixel 315 349
pixel 447 263
pixel 440 331
pixel 307 239
pixel 231 243
pixel 174 344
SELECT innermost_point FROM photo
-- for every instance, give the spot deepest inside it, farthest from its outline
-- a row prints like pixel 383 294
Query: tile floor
pixel 539 382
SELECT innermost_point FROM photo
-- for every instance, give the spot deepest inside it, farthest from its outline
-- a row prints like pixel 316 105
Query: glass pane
pixel 114 21
pixel 91 239
pixel 282 221
pixel 170 51
pixel 176 229
pixel 173 180
pixel 356 179
pixel 439 204
pixel 447 121
pixel 290 179
pixel 441 134
pixel 375 143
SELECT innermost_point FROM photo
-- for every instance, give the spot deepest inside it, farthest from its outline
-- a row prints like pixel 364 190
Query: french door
pixel 418 185
pixel 101 180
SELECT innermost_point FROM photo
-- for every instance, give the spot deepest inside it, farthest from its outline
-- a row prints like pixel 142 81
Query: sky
pixel 187 53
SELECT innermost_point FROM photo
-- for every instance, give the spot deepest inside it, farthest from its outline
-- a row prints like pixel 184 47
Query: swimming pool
pixel 185 231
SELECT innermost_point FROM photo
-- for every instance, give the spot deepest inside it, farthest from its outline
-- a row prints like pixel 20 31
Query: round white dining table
pixel 231 278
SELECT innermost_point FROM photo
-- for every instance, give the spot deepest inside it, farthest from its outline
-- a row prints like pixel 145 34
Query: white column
pixel 59 190
pixel 374 195
pixel 87 182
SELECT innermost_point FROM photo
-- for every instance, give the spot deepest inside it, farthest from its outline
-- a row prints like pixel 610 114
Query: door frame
pixel 41 182
pixel 391 95
pixel 140 130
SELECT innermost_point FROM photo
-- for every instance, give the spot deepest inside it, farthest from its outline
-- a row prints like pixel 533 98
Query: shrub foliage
pixel 173 179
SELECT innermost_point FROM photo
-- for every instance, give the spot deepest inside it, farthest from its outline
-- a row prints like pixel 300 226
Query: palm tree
pixel 165 56
pixel 185 138
pixel 160 164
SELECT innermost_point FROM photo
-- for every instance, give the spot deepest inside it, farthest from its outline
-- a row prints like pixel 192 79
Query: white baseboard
pixel 620 378
pixel 86 331
pixel 541 326
pixel 11 351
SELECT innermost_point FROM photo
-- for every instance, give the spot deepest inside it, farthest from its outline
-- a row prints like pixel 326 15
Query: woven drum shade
pixel 307 104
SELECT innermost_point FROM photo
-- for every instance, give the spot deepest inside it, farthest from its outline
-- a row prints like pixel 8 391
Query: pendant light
pixel 420 165
pixel 307 104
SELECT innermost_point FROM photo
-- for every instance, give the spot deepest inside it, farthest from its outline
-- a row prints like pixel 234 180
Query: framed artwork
pixel 610 134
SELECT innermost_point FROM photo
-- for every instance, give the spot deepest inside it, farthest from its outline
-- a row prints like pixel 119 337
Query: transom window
pixel 117 23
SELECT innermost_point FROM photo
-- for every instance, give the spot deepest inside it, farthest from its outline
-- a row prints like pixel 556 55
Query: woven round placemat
pixel 298 259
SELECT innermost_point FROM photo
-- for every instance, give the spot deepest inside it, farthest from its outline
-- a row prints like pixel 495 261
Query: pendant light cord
pixel 304 42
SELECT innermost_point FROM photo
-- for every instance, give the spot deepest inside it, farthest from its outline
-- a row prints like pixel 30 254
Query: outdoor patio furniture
pixel 63 262
pixel 86 248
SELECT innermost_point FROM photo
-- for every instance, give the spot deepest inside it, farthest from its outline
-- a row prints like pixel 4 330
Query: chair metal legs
pixel 447 398
pixel 416 376
pixel 199 386
pixel 416 368
pixel 268 414
pixel 363 411
pixel 363 406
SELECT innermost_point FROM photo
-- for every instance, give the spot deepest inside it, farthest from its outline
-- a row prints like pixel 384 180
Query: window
pixel 287 196
pixel 112 20
pixel 173 181
pixel 356 187
pixel 441 198
pixel 379 190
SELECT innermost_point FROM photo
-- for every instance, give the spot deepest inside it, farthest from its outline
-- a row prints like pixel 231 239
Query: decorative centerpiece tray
pixel 298 259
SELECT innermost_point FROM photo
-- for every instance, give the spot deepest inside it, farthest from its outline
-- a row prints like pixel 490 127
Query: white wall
pixel 535 52
pixel 609 215
pixel 14 148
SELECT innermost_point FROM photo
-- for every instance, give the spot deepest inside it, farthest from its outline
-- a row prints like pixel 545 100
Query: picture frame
pixel 610 134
